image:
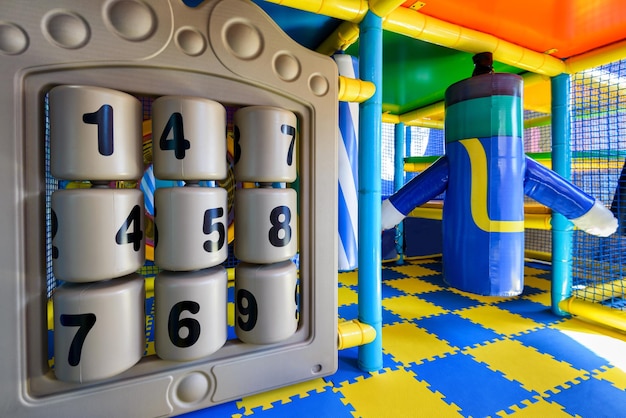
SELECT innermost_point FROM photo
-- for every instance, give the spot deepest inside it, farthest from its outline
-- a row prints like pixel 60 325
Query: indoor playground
pixel 313 208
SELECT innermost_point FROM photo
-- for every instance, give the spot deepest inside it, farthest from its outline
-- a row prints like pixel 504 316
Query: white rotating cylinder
pixel 99 328
pixel 190 313
pixel 189 138
pixel 266 225
pixel 95 134
pixel 97 234
pixel 265 302
pixel 265 144
pixel 192 225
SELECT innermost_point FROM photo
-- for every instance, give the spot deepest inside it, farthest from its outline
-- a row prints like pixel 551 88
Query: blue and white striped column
pixel 348 174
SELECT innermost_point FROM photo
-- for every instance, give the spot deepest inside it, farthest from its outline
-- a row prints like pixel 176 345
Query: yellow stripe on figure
pixel 479 187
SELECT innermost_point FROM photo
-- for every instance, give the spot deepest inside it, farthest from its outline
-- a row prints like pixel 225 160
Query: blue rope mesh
pixel 598 156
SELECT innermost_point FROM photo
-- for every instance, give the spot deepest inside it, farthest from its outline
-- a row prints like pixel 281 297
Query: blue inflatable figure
pixel 485 175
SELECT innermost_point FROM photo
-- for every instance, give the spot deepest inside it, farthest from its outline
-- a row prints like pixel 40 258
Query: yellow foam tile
pixel 284 395
pixel 411 307
pixel 615 375
pixel 606 343
pixel 230 310
pixel 149 285
pixel 350 278
pixel 408 343
pixel 412 285
pixel 541 408
pixel 150 348
pixel 577 325
pixel 498 320
pixel 513 360
pixel 346 296
pixel 480 298
pixel 531 271
pixel 417 260
pixel 538 283
pixel 543 298
pixel 395 394
pixel 414 270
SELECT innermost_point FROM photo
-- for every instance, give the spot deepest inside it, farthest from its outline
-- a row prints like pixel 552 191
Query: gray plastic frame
pixel 224 50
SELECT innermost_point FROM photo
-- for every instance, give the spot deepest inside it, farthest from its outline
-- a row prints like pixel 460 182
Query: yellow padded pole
pixel 354 90
pixel 595 312
pixel 422 113
pixel 596 57
pixel 390 118
pixel 354 333
pixel 345 35
pixel 350 10
pixel 425 123
pixel 383 7
pixel 417 25
pixel 538 221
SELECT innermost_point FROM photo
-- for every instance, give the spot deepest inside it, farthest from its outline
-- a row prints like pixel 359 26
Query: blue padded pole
pixel 562 229
pixel 407 140
pixel 398 182
pixel 370 356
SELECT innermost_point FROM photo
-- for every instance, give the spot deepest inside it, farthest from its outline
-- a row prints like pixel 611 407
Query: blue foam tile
pixel 230 333
pixel 560 346
pixel 390 318
pixel 592 398
pixel 435 265
pixel 326 404
pixel 150 319
pixel 539 266
pixel 386 290
pixel 457 331
pixel 389 274
pixel 531 310
pixel 448 300
pixel 545 270
pixel 435 279
pixel 529 290
pixel 349 312
pixel 390 292
pixel 348 367
pixel 50 344
pixel 471 386
pixel 615 302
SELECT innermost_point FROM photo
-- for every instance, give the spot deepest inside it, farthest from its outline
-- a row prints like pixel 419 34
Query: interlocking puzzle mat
pixel 450 353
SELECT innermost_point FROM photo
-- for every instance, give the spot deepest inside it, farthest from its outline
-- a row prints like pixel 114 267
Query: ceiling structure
pixel 419 65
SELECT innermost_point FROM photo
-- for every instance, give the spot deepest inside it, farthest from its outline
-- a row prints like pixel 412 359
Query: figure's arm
pixel 425 186
pixel 553 191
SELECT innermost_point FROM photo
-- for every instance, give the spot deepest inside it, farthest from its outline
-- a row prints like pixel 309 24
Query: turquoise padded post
pixel 398 182
pixel 370 356
pixel 562 229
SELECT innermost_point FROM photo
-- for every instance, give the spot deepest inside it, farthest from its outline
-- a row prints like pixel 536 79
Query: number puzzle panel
pixel 55 57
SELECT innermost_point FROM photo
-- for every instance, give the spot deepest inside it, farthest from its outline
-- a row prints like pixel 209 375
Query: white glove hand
pixel 389 215
pixel 597 221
